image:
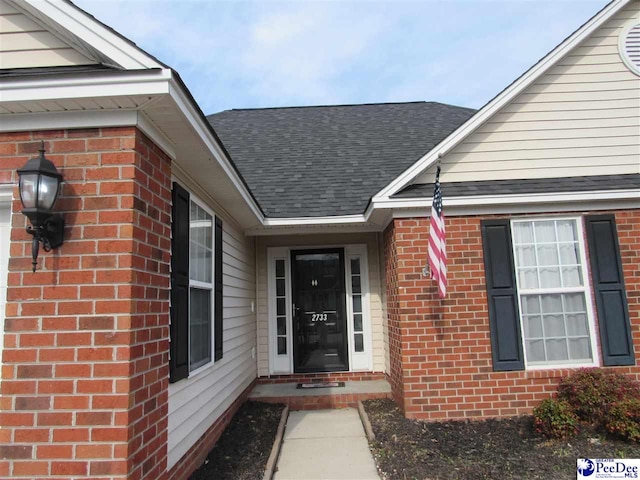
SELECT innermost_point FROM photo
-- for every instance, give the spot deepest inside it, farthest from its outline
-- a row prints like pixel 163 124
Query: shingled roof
pixel 330 160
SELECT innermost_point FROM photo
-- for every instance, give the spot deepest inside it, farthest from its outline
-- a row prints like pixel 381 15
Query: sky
pixel 268 53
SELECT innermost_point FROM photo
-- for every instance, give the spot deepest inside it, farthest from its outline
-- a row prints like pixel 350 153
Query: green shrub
pixel 555 418
pixel 592 391
pixel 623 419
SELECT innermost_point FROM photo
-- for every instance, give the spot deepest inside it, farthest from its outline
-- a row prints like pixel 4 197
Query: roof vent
pixel 630 47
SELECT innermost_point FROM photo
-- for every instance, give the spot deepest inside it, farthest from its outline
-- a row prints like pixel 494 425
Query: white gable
pixel 25 43
pixel 580 118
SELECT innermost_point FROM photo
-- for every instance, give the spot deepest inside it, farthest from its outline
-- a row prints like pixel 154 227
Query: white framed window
pixel 201 286
pixel 553 292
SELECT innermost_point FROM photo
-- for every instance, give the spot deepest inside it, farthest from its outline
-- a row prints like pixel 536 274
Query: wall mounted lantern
pixel 39 188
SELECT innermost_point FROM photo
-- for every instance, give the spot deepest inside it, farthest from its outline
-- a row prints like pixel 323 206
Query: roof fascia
pixel 499 101
pixel 90 31
pixel 102 84
pixel 189 108
pixel 480 202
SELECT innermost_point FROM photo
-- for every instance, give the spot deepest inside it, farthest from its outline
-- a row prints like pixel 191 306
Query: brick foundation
pixel 440 351
pixel 85 357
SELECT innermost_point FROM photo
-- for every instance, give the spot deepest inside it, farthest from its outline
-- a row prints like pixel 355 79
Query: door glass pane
pixel 359 342
pixel 357 322
pixel 355 266
pixel 282 345
pixel 282 325
pixel 357 303
pixel 355 284
pixel 280 287
pixel 281 306
pixel 279 268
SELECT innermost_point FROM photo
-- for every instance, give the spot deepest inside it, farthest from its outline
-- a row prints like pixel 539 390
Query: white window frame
pixel 203 285
pixel 585 288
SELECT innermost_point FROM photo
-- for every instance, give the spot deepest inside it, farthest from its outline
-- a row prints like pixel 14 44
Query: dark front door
pixel 319 315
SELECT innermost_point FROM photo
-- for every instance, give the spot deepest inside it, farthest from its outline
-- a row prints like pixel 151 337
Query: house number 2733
pixel 319 317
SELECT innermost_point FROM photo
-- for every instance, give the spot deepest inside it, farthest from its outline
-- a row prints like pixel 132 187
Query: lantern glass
pixel 47 192
pixel 29 189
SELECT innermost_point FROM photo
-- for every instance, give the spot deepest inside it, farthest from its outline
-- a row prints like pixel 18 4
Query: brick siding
pixel 440 351
pixel 84 370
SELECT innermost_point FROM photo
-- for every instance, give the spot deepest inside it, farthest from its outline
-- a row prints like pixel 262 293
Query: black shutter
pixel 217 315
pixel 608 284
pixel 179 330
pixel 502 295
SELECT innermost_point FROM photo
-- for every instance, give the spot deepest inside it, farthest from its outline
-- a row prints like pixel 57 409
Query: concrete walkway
pixel 325 445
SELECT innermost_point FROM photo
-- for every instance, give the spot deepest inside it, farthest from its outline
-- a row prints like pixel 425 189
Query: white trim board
pixel 503 98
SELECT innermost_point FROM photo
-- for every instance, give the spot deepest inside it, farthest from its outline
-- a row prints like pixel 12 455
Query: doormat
pixel 320 385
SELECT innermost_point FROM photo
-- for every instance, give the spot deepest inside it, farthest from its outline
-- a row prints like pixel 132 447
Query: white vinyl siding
pixel 24 43
pixel 322 241
pixel 581 118
pixel 197 402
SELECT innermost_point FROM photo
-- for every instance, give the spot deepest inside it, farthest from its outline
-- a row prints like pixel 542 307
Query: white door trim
pixel 283 364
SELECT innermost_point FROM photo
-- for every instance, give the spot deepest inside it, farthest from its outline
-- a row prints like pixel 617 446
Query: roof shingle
pixel 330 160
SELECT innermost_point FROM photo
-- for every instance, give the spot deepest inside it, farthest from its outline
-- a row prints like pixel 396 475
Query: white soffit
pixel 502 99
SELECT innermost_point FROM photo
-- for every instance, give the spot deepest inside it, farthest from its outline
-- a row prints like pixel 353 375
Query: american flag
pixel 437 247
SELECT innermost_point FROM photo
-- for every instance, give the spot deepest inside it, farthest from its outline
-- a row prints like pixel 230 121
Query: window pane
pixel 359 342
pixel 554 326
pixel 535 351
pixel 577 324
pixel 281 308
pixel 282 346
pixel 574 302
pixel 357 322
pixel 547 255
pixel 200 245
pixel 526 256
pixel 550 277
pixel 355 266
pixel 523 232
pixel 528 278
pixel 568 254
pixel 566 230
pixel 199 327
pixel 579 349
pixel 545 231
pixel 282 325
pixel 533 327
pixel 571 277
pixel 557 349
pixel 280 287
pixel 551 303
pixel 530 304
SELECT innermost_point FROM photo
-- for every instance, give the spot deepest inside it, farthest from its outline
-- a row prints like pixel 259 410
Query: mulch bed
pixel 242 451
pixel 490 449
